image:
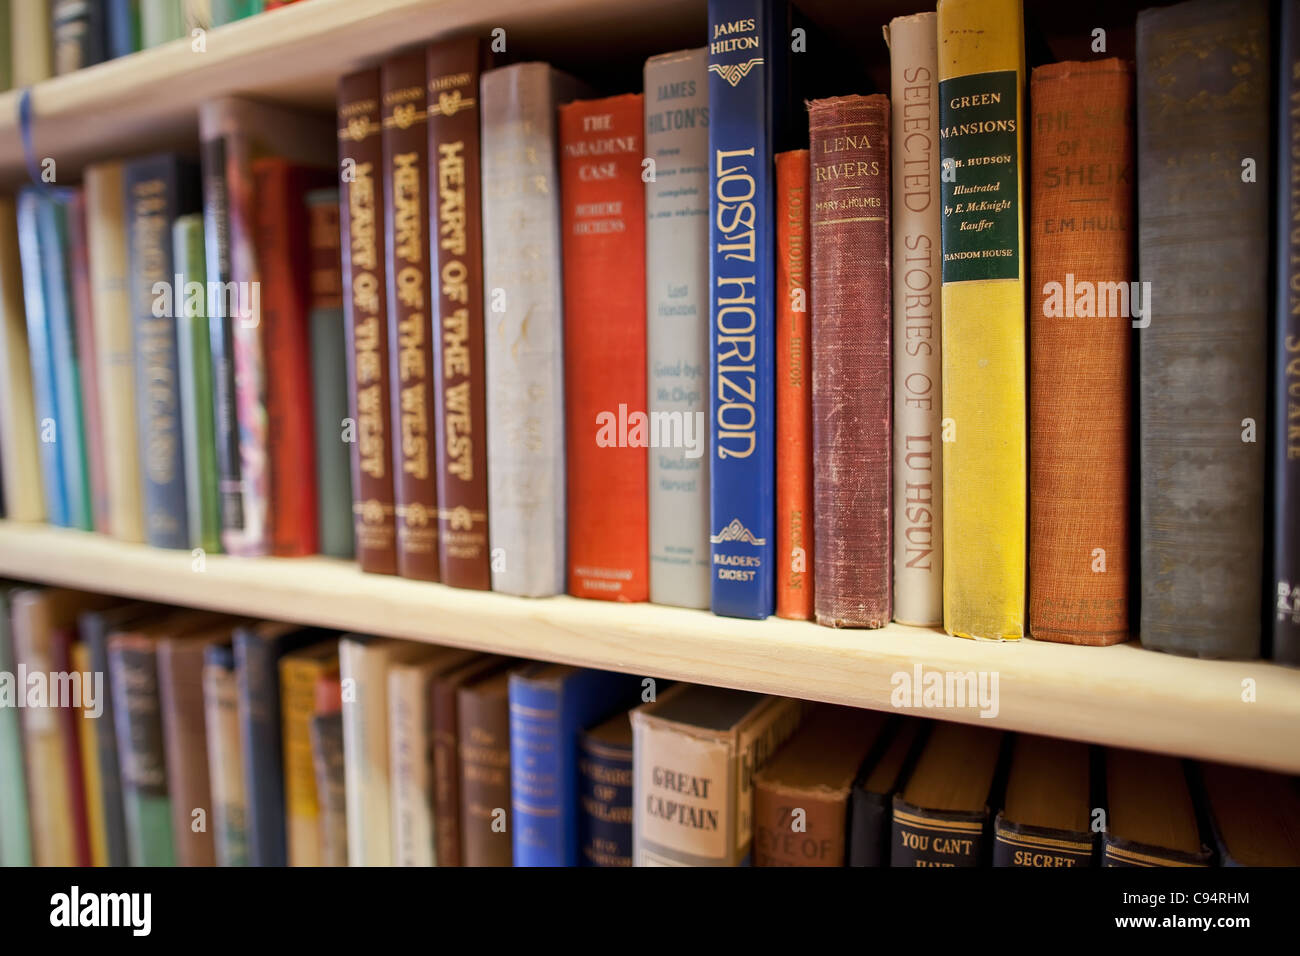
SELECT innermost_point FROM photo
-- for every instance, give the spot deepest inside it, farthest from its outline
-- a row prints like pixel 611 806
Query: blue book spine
pixel 123 26
pixel 158 190
pixel 41 356
pixel 742 53
pixel 52 231
pixel 549 708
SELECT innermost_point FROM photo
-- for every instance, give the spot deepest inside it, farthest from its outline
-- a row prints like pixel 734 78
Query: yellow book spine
pixel 298 678
pixel 985 484
pixel 19 454
pixel 90 777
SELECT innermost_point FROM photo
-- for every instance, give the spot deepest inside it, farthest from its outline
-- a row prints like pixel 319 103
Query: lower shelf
pixel 1121 695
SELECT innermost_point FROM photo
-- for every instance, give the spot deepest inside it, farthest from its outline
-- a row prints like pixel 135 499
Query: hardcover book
pixel 917 279
pixel 410 293
pixel 20 450
pixel 941 817
pixel 365 313
pixel 981 116
pixel 1151 819
pixel 1203 103
pixel 1046 816
pixel 15 831
pixel 605 793
pixel 1079 370
pixel 802 795
pixel 158 190
pixel 225 756
pixel 161 21
pixel 524 327
pixel 453 71
pixel 795 526
pixel 194 365
pixel 550 704
pixel 486 825
pixel 695 751
pixel 105 192
pixel 31 40
pixel 87 367
pixel 122 26
pixel 228 11
pixel 747 111
pixel 851 353
pixel 1252 815
pixel 603 215
pixel 328 762
pixel 677 324
pixel 883 775
pixel 1285 587
pixel 88 754
pixel 301 672
pixel 78 30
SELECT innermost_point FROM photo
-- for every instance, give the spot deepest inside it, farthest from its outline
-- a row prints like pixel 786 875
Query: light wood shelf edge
pixel 1121 695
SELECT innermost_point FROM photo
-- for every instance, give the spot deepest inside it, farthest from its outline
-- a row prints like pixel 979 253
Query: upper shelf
pixel 1121 695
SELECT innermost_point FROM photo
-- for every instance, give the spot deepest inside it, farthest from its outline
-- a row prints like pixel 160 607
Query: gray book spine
pixel 1203 212
pixel 677 321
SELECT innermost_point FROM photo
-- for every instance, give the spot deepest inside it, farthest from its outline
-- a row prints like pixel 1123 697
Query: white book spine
pixel 918 498
pixel 363 674
pixel 524 317
pixel 408 763
pixel 677 321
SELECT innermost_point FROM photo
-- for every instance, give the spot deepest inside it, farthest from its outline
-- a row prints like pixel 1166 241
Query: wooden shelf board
pixel 1121 695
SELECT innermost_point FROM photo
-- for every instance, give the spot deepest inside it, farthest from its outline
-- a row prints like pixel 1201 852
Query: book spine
pixel 1018 845
pixel 1081 235
pixel 677 328
pixel 603 216
pixel 152 198
pixel 410 294
pixel 94 635
pixel 757 740
pixel 1286 343
pixel 851 360
pixel 280 238
pixel 329 370
pixel 411 787
pixel 260 723
pixel 537 787
pixel 15 832
pixel 161 22
pixel 459 404
pixel 1202 100
pixel 87 361
pixel 486 827
pixel 180 692
pixel 228 11
pixel 604 803
pixel 447 779
pixel 31 43
pixel 524 316
pixel 742 475
pixel 195 366
pixel 795 530
pixel 88 757
pixel 52 230
pixel 981 69
pixel 122 25
pixel 41 357
pixel 298 677
pixel 365 313
pixel 225 759
pixel 921 837
pixel 918 410
pixel 78 30
pixel 869 829
pixel 672 828
pixel 365 745
pixel 817 837
pixel 328 762
pixel 20 449
pixel 133 667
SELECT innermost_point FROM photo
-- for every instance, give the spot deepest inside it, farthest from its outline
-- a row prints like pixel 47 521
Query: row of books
pixel 44 38
pixel 527 273
pixel 195 738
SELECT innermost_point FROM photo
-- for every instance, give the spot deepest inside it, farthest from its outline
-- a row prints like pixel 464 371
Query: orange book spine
pixel 608 430
pixel 794 471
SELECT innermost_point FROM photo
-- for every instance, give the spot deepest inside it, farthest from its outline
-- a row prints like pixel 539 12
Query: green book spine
pixel 15 835
pixel 225 11
pixel 161 21
pixel 6 56
pixel 133 667
pixel 194 350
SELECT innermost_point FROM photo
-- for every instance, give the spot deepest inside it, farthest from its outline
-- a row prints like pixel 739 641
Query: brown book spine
pixel 365 310
pixel 798 826
pixel 484 740
pixel 410 302
pixel 180 693
pixel 794 478
pixel 456 220
pixel 1079 400
pixel 852 360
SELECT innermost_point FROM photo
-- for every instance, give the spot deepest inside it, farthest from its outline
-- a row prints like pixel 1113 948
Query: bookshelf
pixel 1121 695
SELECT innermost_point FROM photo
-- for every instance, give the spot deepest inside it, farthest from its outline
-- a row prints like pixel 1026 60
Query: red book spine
pixel 86 359
pixel 794 459
pixel 608 430
pixel 852 360
pixel 283 263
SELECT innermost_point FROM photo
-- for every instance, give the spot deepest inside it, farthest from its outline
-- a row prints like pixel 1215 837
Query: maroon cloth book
pixel 852 365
